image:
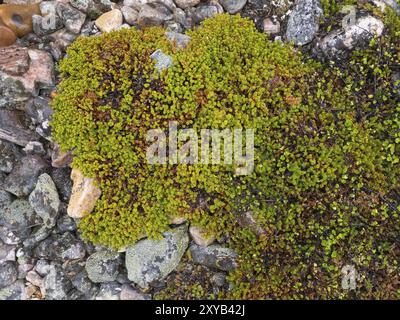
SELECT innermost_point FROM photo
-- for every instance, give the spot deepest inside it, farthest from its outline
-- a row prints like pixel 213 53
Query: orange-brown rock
pixel 85 194
pixel 7 36
pixel 18 17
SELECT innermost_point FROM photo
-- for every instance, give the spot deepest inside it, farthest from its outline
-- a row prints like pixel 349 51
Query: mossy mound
pixel 319 189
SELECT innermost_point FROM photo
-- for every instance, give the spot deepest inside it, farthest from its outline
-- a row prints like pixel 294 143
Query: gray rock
pixel 180 40
pixel 303 23
pixel 34 147
pixel 93 9
pixel 393 4
pixel 214 256
pixel 23 177
pixel 233 6
pixel 183 19
pixel 45 201
pixel 219 279
pixel 153 14
pixel 66 223
pixel 184 4
pixel 5 199
pixel 163 61
pixel 152 260
pixel 339 43
pixel 130 15
pixel 18 218
pixel 14 127
pixel 42 267
pixel 56 284
pixel 15 291
pixel 39 112
pixel 103 266
pixel 203 12
pixel 129 293
pixel 109 291
pixel 60 248
pixel 45 25
pixel 9 155
pixel 73 18
pixel 7 252
pixel 8 273
pixel 63 182
pixel 82 283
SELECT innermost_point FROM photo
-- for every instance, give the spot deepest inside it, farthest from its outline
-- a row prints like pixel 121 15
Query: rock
pixel 34 278
pixel 7 252
pixel 14 128
pixel 60 159
pixel 72 18
pixel 16 89
pixel 110 21
pixel 247 220
pixel 60 248
pixel 15 291
pixel 56 284
pixel 163 61
pixel 34 147
pixel 153 14
pixel 39 111
pixel 338 43
pixel 23 177
pixel 9 155
pixel 270 27
pixel 184 4
pixel 218 279
pixel 203 12
pixel 200 237
pixel 152 260
pixel 391 3
pixel 46 25
pixel 130 15
pixel 109 291
pixel 103 266
pixel 93 9
pixel 303 23
pixel 45 201
pixel 84 195
pixel 82 283
pixel 183 19
pixel 233 6
pixel 129 293
pixel 65 224
pixel 8 273
pixel 214 256
pixel 5 199
pixel 42 267
pixel 18 217
pixel 180 40
pixel 7 36
pixel 18 18
pixel 63 182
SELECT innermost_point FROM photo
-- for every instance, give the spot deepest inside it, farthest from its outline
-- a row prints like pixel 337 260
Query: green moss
pixel 322 188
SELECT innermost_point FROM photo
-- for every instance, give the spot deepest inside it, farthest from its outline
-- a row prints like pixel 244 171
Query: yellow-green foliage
pixel 319 189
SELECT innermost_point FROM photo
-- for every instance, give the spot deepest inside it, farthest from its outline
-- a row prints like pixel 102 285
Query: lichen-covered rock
pixel 303 23
pixel 214 256
pixel 84 195
pixel 14 127
pixel 45 201
pixel 15 291
pixel 130 14
pixel 103 266
pixel 9 155
pixel 179 39
pixel 72 18
pixel 163 61
pixel 152 260
pixel 184 4
pixel 200 236
pixel 56 284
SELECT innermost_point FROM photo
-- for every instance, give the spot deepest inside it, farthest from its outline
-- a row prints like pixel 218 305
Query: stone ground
pixel 42 255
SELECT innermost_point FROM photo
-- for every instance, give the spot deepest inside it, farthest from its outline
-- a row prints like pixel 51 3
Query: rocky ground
pixel 42 255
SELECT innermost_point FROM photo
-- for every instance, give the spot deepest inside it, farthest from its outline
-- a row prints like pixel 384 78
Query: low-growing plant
pixel 320 187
